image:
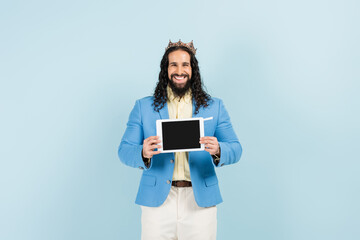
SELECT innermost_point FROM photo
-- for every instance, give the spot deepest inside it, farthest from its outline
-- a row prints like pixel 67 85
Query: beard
pixel 179 91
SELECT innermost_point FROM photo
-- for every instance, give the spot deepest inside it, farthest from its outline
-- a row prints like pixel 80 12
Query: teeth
pixel 180 77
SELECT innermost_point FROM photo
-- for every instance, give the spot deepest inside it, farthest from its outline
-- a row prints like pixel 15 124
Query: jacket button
pixel 172 161
pixel 168 181
pixel 141 168
pixel 222 164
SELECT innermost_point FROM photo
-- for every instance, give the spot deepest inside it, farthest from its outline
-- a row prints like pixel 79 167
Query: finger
pixel 211 146
pixel 156 152
pixel 155 146
pixel 208 146
pixel 209 142
pixel 207 138
pixel 151 153
pixel 153 141
pixel 151 138
pixel 213 140
pixel 211 151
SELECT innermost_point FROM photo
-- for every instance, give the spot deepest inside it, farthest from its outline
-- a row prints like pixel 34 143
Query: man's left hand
pixel 211 145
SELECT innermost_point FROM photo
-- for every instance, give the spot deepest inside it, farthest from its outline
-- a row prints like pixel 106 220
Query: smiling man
pixel 178 192
pixel 179 72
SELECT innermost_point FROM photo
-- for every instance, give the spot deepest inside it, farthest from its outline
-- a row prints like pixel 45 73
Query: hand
pixel 211 145
pixel 149 145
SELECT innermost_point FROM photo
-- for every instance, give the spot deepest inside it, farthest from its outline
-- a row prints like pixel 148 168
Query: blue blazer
pixel 156 180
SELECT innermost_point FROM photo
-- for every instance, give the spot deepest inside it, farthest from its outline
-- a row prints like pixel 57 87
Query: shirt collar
pixel 172 97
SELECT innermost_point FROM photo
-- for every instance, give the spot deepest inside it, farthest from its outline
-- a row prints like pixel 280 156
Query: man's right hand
pixel 149 145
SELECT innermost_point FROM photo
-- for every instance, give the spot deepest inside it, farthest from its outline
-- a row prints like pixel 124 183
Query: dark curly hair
pixel 202 99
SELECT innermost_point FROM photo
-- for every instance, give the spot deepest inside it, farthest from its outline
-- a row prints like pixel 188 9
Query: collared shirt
pixel 180 108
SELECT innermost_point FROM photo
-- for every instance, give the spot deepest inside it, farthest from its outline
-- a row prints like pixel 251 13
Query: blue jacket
pixel 156 180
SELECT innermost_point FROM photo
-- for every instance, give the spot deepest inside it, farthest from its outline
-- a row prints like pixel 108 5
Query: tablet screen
pixel 181 134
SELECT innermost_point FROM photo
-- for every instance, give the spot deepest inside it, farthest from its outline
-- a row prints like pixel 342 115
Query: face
pixel 179 70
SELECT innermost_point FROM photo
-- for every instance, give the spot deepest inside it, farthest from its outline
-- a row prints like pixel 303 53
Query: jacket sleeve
pixel 231 149
pixel 130 149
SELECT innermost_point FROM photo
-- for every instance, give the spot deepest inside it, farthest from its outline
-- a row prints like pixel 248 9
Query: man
pixel 178 192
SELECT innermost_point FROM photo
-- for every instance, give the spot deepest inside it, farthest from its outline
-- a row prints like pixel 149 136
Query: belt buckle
pixel 181 183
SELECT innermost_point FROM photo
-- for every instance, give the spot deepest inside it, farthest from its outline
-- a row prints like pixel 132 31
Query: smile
pixel 179 77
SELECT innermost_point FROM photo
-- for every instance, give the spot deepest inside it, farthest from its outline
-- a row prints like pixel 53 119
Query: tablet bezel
pixel 159 134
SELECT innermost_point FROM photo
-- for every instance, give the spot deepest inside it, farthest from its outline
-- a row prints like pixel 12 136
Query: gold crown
pixel 189 45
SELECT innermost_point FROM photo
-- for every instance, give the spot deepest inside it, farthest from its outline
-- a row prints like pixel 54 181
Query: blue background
pixel 288 72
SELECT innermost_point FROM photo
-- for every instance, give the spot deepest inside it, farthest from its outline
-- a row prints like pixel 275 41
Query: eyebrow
pixel 177 63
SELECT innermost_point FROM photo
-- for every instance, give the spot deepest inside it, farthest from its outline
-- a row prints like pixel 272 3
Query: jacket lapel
pixel 193 108
pixel 199 114
pixel 164 113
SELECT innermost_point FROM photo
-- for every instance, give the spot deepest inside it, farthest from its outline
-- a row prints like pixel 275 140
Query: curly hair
pixel 201 97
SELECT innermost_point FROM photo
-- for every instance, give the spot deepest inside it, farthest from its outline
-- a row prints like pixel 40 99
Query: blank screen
pixel 181 135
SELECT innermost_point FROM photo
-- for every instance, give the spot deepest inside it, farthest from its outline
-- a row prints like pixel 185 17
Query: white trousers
pixel 179 218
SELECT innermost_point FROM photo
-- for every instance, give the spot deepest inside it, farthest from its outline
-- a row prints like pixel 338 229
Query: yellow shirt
pixel 180 108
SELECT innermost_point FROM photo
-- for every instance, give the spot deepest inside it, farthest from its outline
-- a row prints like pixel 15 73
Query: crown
pixel 189 45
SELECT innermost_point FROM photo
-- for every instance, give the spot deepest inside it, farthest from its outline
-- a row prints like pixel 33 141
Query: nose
pixel 179 70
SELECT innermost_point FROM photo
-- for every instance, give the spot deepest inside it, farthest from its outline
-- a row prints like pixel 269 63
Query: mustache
pixel 181 75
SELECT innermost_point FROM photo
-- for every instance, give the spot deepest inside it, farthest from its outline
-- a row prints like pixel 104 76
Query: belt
pixel 181 183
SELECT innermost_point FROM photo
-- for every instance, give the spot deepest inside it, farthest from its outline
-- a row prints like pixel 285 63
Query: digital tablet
pixel 180 135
